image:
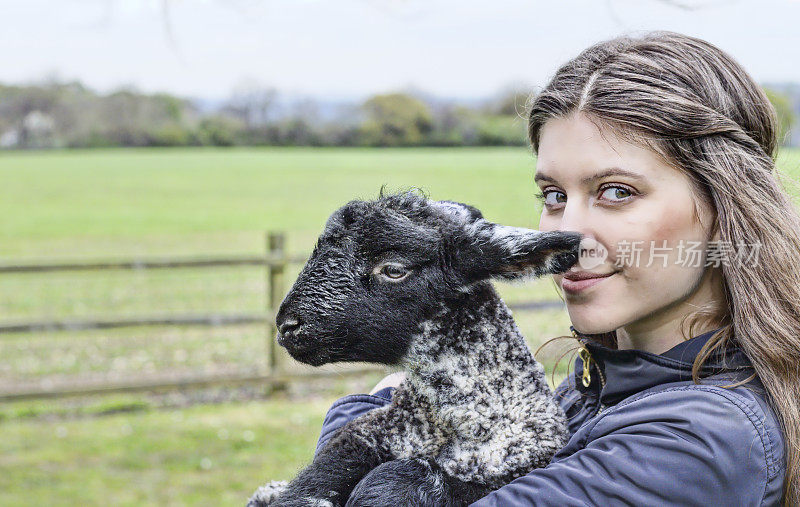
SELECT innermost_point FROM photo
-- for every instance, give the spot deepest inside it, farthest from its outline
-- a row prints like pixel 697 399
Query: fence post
pixel 276 242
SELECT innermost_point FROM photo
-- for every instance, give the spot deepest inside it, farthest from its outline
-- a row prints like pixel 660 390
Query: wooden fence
pixel 275 261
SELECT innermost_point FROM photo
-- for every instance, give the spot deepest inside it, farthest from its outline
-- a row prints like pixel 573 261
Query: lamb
pixel 404 280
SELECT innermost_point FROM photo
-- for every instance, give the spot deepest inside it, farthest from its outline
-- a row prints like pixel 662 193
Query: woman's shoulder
pixel 734 421
pixel 710 411
pixel 701 432
pixel 706 400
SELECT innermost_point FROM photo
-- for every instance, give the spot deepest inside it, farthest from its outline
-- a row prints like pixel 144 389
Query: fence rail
pixel 154 320
pixel 162 384
pixel 154 263
pixel 275 261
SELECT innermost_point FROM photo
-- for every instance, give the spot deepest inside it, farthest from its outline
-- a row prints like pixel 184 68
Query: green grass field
pixel 113 204
pixel 89 203
pixel 201 455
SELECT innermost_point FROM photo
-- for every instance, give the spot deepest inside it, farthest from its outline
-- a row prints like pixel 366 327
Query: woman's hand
pixel 393 380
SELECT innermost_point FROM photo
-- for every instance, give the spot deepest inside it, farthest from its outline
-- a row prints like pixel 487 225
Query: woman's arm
pixel 392 380
pixel 348 408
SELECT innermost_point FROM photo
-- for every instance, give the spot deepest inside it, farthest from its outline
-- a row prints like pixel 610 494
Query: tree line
pixel 70 115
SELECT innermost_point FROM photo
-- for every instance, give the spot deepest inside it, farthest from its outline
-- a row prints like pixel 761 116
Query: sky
pixel 342 49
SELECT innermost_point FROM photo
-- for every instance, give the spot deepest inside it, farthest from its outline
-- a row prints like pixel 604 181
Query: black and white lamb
pixel 403 280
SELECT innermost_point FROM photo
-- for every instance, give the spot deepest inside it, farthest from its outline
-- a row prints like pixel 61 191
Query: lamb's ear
pixel 511 253
pixel 459 210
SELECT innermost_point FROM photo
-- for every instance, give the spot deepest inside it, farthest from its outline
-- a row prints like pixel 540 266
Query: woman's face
pixel 626 199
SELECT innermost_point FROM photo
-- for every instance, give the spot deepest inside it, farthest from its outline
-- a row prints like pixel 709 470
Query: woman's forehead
pixel 575 148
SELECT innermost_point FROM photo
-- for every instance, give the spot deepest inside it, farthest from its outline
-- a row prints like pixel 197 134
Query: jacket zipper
pixel 586 375
pixel 586 359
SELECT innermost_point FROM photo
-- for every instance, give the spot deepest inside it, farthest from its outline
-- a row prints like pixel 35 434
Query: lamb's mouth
pixel 308 355
pixel 311 359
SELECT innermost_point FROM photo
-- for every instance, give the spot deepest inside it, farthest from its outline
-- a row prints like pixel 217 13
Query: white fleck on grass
pixel 206 464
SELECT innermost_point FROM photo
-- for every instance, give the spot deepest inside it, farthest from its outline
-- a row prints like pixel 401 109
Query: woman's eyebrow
pixel 604 173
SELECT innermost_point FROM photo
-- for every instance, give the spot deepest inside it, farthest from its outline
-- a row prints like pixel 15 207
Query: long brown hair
pixel 701 111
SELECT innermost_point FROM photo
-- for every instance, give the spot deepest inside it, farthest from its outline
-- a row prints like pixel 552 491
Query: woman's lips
pixel 576 286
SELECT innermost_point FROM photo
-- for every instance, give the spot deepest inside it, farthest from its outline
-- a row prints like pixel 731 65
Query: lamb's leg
pixel 417 482
pixel 464 493
pixel 329 479
pixel 267 493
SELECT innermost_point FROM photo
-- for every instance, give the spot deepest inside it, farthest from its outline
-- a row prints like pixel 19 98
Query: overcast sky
pixel 350 48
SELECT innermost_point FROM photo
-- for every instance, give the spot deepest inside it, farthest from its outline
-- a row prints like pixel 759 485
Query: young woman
pixel 660 150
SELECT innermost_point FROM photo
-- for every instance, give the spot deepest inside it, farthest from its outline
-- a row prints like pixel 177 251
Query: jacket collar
pixel 617 374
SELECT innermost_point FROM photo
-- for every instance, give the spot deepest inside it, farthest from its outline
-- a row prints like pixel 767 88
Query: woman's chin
pixel 589 321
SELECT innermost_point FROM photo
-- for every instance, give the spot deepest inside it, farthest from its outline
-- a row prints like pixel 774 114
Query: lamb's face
pixel 380 268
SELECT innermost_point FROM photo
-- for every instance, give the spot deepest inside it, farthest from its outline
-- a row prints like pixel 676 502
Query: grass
pixel 146 450
pixel 198 455
pixel 123 202
pixel 162 448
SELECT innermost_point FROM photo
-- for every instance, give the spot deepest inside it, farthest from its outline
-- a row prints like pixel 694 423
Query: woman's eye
pixel 554 197
pixel 615 194
pixel 394 271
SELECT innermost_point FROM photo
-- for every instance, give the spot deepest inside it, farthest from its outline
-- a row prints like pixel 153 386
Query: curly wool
pixel 475 399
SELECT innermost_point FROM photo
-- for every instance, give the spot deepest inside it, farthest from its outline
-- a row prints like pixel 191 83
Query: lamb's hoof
pixel 267 493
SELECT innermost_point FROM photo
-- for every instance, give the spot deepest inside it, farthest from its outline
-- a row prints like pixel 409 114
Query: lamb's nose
pixel 288 325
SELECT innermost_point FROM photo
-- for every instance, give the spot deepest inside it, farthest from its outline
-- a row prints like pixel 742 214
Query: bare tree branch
pixel 687 6
pixel 612 11
pixel 684 5
pixel 167 20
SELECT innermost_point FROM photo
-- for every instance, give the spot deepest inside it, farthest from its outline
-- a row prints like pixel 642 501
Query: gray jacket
pixel 643 433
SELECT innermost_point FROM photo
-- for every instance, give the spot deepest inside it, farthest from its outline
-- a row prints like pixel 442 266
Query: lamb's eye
pixel 394 272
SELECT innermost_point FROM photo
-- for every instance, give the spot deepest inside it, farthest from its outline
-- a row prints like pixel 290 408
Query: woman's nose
pixel 575 218
pixel 578 218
